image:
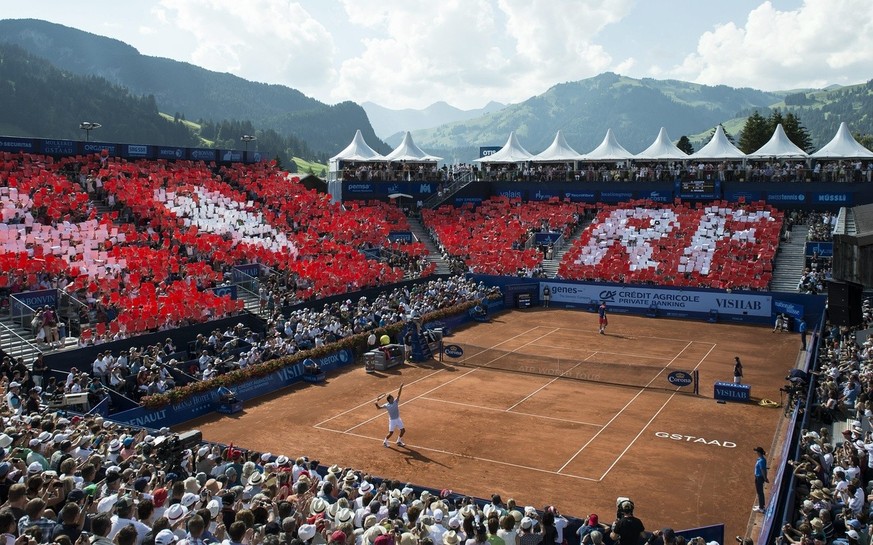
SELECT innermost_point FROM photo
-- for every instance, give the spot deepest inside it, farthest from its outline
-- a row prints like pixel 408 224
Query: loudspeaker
pixel 844 303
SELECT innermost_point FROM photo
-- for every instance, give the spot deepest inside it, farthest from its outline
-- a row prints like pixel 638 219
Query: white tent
pixel 558 152
pixel 843 146
pixel 608 150
pixel 718 148
pixel 662 148
pixel 408 151
pixel 779 146
pixel 511 152
pixel 358 151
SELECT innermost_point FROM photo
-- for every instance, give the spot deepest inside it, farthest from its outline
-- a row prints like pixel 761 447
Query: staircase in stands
pixel 790 261
pixel 550 266
pixel 434 254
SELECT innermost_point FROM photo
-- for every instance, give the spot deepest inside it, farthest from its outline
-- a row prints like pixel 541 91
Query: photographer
pixel 628 529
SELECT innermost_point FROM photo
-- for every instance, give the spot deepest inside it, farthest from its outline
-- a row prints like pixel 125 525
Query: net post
pixel 696 382
pixel 441 350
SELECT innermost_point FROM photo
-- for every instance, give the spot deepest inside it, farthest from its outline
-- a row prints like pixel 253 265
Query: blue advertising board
pixel 485 151
pixel 821 249
pixel 616 196
pixel 169 153
pixel 512 193
pixel 581 196
pixel 89 148
pixel 360 187
pixel 783 197
pixel 841 198
pixel 230 156
pixel 742 196
pixel 546 238
pixel 207 155
pixel 222 291
pixel 461 201
pixel 59 147
pixel 544 195
pixel 33 299
pixel 249 269
pixel 656 196
pixel 728 391
pixel 400 236
pixel 9 143
pixel 136 151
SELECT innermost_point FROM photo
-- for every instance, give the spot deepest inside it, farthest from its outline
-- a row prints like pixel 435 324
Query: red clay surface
pixel 548 440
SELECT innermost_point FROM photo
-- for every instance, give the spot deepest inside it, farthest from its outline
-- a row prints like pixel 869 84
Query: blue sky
pixel 411 53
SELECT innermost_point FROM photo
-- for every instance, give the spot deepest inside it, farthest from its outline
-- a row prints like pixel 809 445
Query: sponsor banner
pixel 135 151
pixel 198 154
pixel 513 194
pixel 400 236
pixel 728 391
pixel 453 351
pixel 221 291
pixel 450 323
pixel 359 187
pixel 231 156
pixel 795 310
pixel 27 145
pixel 834 197
pixel 485 151
pixel 786 197
pixel 97 147
pixel 581 196
pixel 372 253
pixel 656 196
pixel 544 195
pixel 461 201
pixel 546 238
pixel 667 300
pixel 681 378
pixel 742 196
pixel 698 189
pixel 164 152
pixel 823 249
pixel 251 269
pixel 34 300
pixel 207 402
pixel 616 196
pixel 59 147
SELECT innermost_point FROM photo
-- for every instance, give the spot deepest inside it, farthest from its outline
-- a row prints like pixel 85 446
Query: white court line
pixel 632 336
pixel 530 395
pixel 494 409
pixel 477 458
pixel 628 404
pixel 413 382
pixel 454 379
pixel 574 349
pixel 649 423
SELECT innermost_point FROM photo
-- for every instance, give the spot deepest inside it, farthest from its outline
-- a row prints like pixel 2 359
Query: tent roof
pixel 358 150
pixel 843 146
pixel 558 151
pixel 662 148
pixel 511 152
pixel 718 148
pixel 408 151
pixel 779 145
pixel 608 150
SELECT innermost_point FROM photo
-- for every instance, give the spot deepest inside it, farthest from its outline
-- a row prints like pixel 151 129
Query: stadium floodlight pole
pixel 246 138
pixel 89 126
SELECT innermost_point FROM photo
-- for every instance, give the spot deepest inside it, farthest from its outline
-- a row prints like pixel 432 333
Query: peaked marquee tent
pixel 558 152
pixel 410 152
pixel 662 148
pixel 608 150
pixel 779 146
pixel 358 151
pixel 843 146
pixel 718 148
pixel 511 152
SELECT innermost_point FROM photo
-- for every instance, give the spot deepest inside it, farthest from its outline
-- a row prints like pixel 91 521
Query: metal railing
pixel 447 191
pixel 73 307
pixel 21 313
pixel 23 348
pixel 247 282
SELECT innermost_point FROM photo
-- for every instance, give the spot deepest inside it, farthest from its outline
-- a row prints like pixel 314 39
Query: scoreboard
pixel 698 189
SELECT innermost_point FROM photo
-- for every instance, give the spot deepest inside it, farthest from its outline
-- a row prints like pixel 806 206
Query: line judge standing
pixel 760 478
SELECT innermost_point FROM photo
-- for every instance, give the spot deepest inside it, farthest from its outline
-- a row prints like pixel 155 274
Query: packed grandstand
pixel 136 249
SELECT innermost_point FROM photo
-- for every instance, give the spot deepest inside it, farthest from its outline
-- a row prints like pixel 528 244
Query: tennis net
pixel 596 368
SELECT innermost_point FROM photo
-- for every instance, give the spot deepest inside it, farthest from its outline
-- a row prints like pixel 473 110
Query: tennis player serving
pixel 392 405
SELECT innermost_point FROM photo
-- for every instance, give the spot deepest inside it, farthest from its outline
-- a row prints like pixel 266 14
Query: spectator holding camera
pixel 628 529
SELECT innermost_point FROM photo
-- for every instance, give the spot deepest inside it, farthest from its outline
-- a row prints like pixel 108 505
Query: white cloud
pixel 272 41
pixel 470 52
pixel 820 43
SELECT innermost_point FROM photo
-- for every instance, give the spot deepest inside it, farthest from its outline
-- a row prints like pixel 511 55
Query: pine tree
pixel 755 133
pixel 796 132
pixel 684 144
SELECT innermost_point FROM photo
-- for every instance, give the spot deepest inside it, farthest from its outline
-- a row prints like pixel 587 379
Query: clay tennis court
pixel 685 460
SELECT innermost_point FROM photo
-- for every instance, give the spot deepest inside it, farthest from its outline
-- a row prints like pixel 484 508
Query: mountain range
pixel 108 73
pixel 194 92
pixel 390 125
